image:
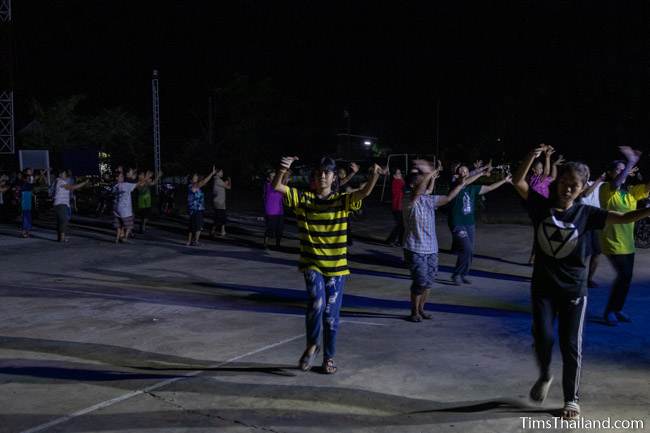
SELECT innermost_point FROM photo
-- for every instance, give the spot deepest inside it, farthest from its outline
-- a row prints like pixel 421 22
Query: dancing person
pixel 591 197
pixel 462 220
pixel 145 182
pixel 196 206
pixel 62 190
pixel 26 186
pixel 421 242
pixel 618 240
pixel 559 282
pixel 273 209
pixel 396 237
pixel 123 205
pixel 219 188
pixel 322 219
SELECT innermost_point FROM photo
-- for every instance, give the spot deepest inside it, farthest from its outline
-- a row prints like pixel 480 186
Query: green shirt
pixel 144 197
pixel 463 206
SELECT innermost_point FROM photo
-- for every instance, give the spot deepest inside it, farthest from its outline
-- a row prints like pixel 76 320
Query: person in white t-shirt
pixel 591 197
pixel 123 205
pixel 62 190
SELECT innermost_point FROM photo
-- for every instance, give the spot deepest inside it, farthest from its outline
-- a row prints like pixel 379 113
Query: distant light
pixel 367 142
pixel 498 139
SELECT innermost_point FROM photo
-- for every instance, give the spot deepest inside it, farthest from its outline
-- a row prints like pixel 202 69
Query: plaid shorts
pixel 123 222
pixel 423 268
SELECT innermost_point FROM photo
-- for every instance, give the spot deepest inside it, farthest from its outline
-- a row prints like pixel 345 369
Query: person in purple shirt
pixel 541 176
pixel 273 209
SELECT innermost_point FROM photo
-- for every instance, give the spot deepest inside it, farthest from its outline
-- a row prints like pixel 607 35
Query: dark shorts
pixel 62 217
pixel 144 212
pixel 593 244
pixel 274 225
pixel 423 268
pixel 122 222
pixel 220 217
pixel 196 221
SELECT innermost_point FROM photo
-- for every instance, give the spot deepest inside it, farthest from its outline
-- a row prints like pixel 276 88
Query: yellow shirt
pixel 619 238
pixel 322 229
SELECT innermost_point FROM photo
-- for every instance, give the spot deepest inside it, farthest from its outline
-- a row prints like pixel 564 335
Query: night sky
pixel 574 74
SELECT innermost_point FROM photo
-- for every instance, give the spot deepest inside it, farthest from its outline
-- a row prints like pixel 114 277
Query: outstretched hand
pixel 508 178
pixel 423 166
pixel 376 170
pixel 286 161
pixel 560 160
pixel 538 150
pixel 354 167
pixel 632 155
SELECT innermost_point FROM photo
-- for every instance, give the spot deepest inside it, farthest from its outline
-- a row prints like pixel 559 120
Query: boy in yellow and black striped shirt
pixel 322 217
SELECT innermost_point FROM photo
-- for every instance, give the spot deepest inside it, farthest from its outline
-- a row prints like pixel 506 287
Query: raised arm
pixel 285 177
pixel 559 161
pixel 519 179
pixel 632 156
pixel 452 194
pixel 202 183
pixel 228 184
pixel 367 188
pixel 591 188
pixel 354 168
pixel 285 165
pixel 627 217
pixel 487 188
pixel 548 152
pixel 75 186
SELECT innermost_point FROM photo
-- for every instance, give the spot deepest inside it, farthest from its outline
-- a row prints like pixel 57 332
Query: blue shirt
pixel 26 195
pixel 420 224
pixel 195 200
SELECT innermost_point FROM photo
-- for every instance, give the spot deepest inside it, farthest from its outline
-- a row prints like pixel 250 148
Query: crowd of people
pixel 575 219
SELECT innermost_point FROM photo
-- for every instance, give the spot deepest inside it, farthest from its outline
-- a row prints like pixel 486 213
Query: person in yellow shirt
pixel 322 218
pixel 618 240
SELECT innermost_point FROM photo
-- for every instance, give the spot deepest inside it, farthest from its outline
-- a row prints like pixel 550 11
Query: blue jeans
pixel 27 220
pixel 463 245
pixel 323 307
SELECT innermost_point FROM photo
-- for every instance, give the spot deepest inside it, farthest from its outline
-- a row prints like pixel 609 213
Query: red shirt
pixel 397 194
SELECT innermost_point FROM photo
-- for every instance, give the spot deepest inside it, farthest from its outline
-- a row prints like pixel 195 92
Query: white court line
pixel 153 387
pixel 358 322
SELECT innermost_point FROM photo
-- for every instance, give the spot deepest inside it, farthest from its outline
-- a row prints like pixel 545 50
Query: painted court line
pixel 153 387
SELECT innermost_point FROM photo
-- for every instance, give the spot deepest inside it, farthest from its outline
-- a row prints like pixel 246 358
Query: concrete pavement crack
pixel 210 416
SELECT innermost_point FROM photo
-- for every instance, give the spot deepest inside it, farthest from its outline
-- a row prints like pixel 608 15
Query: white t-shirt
pixel 61 195
pixel 592 199
pixel 122 205
pixel 219 193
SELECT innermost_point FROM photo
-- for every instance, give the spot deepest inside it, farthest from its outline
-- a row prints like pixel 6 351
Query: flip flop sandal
pixel 571 406
pixel 306 360
pixel 329 367
pixel 415 318
pixel 539 391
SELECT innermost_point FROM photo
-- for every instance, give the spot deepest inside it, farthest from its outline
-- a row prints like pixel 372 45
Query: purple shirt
pixel 272 200
pixel 540 184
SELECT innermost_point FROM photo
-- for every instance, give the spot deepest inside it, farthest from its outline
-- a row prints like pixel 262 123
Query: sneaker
pixel 622 317
pixel 465 280
pixel 610 319
pixel 454 280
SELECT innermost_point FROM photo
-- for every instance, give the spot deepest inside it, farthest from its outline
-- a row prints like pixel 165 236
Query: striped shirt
pixel 322 229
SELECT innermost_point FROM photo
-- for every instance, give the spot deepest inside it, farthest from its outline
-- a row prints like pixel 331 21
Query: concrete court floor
pixel 158 337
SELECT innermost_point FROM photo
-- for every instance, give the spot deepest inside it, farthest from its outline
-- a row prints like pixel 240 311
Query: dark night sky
pixel 571 73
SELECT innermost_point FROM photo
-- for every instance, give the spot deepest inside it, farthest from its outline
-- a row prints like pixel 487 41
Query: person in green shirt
pixel 618 240
pixel 462 217
pixel 145 182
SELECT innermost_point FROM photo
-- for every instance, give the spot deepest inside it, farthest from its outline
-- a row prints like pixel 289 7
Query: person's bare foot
pixel 415 318
pixel 426 316
pixel 571 410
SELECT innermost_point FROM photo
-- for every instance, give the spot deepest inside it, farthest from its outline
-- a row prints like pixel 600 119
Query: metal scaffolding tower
pixel 7 141
pixel 156 122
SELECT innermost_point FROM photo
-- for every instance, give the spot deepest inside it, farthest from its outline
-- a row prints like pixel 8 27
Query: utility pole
pixel 156 124
pixel 7 139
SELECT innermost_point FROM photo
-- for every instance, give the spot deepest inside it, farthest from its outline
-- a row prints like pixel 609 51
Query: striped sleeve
pixel 292 197
pixel 351 205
